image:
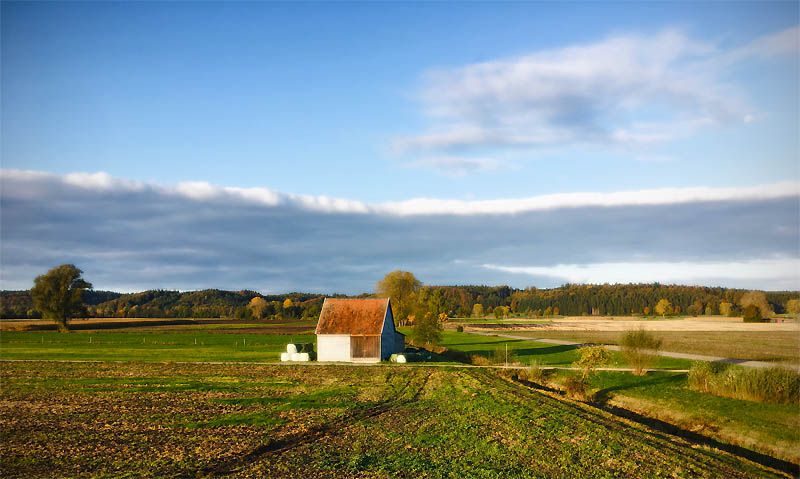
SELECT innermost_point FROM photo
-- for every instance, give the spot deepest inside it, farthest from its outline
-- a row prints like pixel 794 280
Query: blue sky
pixel 401 110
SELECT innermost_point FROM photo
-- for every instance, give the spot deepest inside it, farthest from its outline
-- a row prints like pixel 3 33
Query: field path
pixel 669 354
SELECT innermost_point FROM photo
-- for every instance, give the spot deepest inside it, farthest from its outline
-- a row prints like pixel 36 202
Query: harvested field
pixel 168 420
pixel 771 346
pixel 687 324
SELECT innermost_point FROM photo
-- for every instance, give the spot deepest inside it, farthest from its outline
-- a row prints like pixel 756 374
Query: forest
pixel 454 301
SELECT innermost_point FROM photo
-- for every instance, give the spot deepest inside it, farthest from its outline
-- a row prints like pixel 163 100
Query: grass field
pixel 235 420
pixel 187 345
pixel 772 346
pixel 768 428
pixel 772 429
pixel 544 353
pixel 214 345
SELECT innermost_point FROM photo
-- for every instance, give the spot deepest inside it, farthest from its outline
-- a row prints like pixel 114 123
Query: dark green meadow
pixel 150 419
pixel 189 345
pixel 546 354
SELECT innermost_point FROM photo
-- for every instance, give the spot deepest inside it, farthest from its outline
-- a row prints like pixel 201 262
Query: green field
pixel 189 345
pixel 771 346
pixel 545 354
pixel 209 345
pixel 769 429
pixel 238 420
pixel 772 429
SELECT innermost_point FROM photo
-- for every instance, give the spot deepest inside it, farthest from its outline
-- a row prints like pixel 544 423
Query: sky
pixel 317 146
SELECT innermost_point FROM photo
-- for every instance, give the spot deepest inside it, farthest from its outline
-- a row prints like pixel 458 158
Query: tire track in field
pixel 656 438
pixel 550 401
pixel 229 465
pixel 657 434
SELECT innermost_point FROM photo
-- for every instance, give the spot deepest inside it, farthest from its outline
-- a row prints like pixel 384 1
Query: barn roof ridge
pixel 352 316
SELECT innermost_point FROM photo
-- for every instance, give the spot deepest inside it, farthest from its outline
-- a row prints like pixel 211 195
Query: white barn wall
pixel 333 347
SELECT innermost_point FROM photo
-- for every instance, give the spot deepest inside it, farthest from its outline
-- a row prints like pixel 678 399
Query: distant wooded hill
pixel 572 300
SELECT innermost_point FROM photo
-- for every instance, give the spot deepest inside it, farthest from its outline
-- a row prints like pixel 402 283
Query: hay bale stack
pixel 408 357
pixel 300 348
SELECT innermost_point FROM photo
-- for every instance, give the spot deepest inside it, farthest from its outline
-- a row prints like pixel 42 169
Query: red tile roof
pixel 352 316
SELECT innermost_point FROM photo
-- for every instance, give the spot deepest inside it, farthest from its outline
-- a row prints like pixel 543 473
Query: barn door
pixel 365 347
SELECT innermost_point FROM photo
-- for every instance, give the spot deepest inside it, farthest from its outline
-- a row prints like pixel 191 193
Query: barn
pixel 357 330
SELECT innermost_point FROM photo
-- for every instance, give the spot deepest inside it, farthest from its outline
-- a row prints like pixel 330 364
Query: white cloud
pixel 24 183
pixel 597 93
pixel 101 181
pixel 782 273
pixel 662 196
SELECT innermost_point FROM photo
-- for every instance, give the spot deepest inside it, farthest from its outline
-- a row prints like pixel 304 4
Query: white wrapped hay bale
pixel 291 348
pixel 303 357
pixel 397 358
pixel 286 357
pixel 294 356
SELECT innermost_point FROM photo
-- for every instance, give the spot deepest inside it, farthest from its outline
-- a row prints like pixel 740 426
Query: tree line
pixel 209 303
pixel 411 298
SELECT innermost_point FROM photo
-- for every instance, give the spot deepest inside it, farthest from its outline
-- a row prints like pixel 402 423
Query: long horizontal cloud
pixel 769 270
pixel 129 235
pixel 35 184
pixel 629 90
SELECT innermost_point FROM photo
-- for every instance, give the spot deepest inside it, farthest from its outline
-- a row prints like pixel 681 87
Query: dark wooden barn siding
pixel 365 347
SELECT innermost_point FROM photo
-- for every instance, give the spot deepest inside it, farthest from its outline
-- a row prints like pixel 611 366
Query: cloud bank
pixel 129 236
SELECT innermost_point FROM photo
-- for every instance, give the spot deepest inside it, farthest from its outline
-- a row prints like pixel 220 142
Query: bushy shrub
pixel 775 385
pixel 479 360
pixel 704 376
pixel 534 373
pixel 638 346
pixel 576 387
pixel 503 355
pixel 591 358
pixel 460 329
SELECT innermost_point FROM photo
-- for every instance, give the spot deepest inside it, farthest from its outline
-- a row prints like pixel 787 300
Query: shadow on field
pixel 555 349
pixel 637 383
pixel 526 351
pixel 547 350
pixel 497 342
